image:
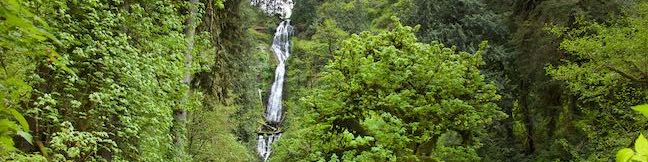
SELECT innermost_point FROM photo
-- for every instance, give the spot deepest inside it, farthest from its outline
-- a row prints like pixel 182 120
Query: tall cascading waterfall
pixel 281 49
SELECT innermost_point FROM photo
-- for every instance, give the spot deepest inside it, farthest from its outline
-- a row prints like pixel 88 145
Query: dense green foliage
pixel 118 104
pixel 608 72
pixel 640 152
pixel 105 84
pixel 457 23
pixel 386 97
pixel 186 80
pixel 21 39
pixel 548 119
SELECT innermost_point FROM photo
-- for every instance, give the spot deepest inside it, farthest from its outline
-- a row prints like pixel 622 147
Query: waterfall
pixel 272 7
pixel 281 49
pixel 263 145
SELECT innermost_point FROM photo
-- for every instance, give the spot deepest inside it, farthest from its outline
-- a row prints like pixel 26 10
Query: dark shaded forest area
pixel 366 80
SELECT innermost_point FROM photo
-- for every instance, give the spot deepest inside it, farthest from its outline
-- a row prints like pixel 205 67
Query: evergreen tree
pixel 457 23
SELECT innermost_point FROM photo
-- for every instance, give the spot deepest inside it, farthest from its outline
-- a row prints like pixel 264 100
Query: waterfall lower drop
pixel 281 49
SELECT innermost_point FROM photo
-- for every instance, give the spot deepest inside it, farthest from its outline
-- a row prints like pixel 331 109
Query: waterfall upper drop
pixel 272 7
pixel 281 49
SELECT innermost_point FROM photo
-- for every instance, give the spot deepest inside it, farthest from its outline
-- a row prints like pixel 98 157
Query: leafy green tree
pixel 607 70
pixel 306 16
pixel 354 16
pixel 464 24
pixel 386 97
pixel 129 66
pixel 23 40
pixel 329 33
pixel 543 123
pixel 210 136
pixel 608 64
pixel 640 152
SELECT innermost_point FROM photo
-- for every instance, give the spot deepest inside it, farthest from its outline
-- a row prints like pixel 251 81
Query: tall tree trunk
pixel 528 116
pixel 180 114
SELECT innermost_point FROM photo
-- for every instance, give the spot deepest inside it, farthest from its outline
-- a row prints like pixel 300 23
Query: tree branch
pixel 643 73
pixel 624 74
pixel 275 129
pixel 3 65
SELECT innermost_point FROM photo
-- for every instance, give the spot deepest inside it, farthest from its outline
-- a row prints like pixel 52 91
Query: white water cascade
pixel 271 7
pixel 281 49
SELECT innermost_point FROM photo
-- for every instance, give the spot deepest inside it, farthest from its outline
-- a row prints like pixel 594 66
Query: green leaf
pixel 624 155
pixel 640 158
pixel 20 118
pixel 642 108
pixel 641 145
pixel 16 16
pixel 6 143
pixel 26 136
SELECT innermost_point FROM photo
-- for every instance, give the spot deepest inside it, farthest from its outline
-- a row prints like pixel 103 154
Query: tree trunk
pixel 180 114
pixel 528 119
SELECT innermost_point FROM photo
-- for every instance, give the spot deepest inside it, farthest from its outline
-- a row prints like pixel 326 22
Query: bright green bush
pixel 386 97
pixel 640 152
